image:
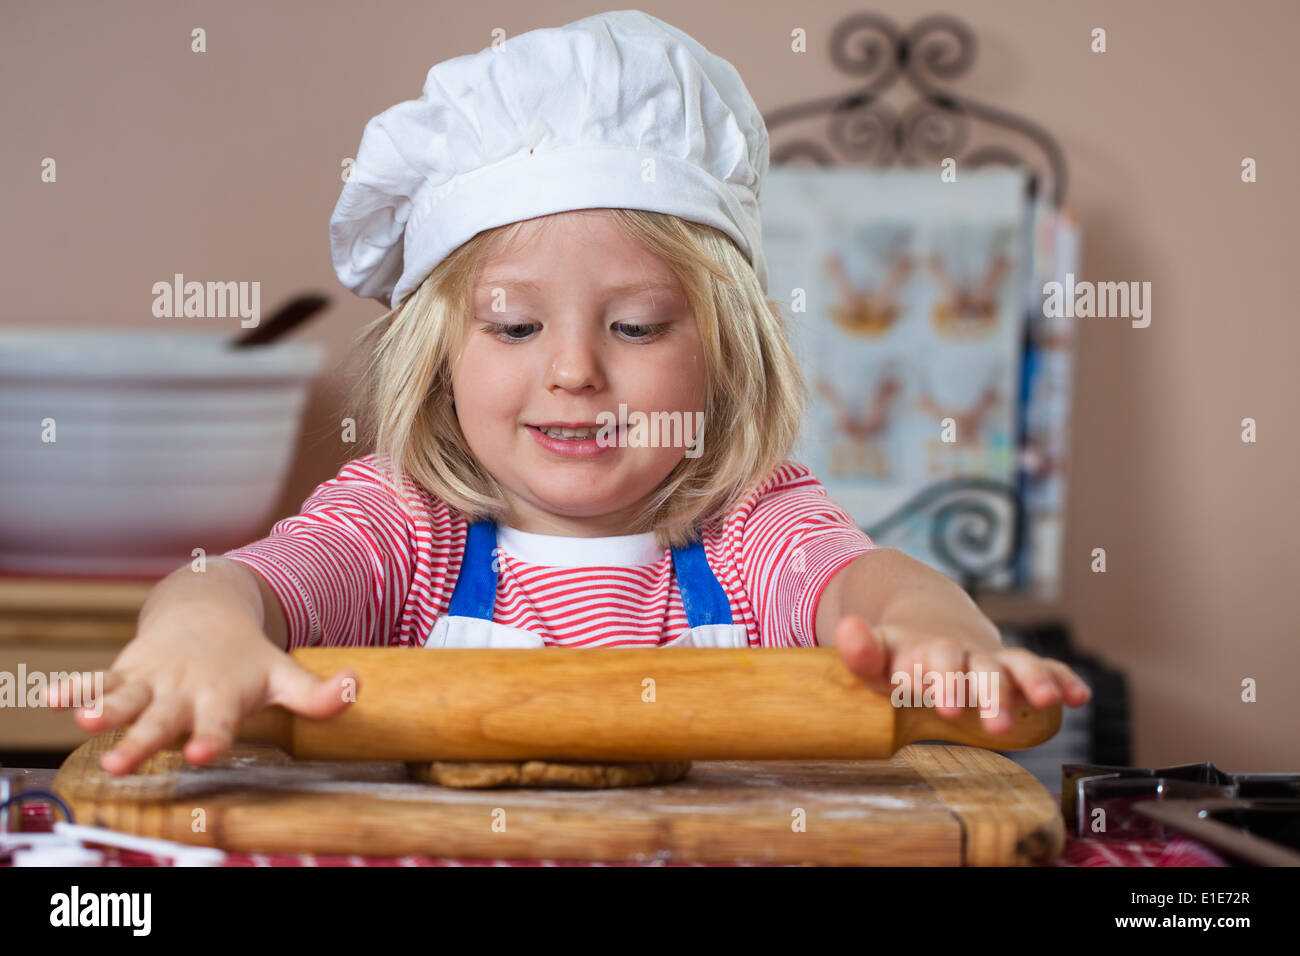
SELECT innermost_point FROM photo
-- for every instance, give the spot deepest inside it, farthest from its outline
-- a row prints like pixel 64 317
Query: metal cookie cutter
pixel 1251 816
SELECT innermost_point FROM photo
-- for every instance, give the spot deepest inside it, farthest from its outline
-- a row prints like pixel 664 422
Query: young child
pixel 566 230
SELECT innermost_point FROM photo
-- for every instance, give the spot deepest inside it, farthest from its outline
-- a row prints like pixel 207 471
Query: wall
pixel 226 165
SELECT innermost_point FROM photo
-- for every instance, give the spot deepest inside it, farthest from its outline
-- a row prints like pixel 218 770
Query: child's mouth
pixel 582 442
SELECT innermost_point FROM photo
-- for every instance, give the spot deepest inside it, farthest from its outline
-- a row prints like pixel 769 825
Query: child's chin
pixel 579 502
pixel 588 500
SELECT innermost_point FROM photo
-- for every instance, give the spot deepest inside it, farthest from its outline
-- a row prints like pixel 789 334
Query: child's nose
pixel 575 364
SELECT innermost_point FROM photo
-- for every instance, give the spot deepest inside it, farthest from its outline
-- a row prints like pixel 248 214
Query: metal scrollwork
pixel 863 128
pixel 975 526
pixel 865 44
pixel 866 134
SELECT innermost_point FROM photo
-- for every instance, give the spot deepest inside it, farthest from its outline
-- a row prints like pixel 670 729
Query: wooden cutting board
pixel 928 805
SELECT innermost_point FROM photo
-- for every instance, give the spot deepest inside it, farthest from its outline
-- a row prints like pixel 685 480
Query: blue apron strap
pixel 702 596
pixel 476 585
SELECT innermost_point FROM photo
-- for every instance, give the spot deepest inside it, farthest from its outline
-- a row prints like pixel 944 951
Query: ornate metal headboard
pixel 976 524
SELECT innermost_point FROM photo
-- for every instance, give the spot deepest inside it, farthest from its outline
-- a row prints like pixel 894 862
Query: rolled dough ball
pixel 474 774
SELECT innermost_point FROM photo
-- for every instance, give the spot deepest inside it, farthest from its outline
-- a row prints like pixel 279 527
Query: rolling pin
pixel 616 704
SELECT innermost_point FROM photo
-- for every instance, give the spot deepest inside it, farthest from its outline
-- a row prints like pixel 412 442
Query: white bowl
pixel 164 442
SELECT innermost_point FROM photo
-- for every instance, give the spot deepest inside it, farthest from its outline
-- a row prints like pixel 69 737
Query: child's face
pixel 573 346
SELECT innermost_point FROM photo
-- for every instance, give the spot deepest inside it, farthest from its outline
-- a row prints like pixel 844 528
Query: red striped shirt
pixel 355 568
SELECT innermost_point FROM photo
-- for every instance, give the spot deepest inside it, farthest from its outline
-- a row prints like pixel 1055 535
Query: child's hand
pixel 199 669
pixel 1023 677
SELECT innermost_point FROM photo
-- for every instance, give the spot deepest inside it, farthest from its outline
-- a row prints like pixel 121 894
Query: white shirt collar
pixel 555 551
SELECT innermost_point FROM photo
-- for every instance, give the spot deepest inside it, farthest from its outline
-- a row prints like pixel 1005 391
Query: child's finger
pixel 56 691
pixel 73 690
pixel 943 656
pixel 116 707
pixel 926 658
pixel 60 690
pixel 112 681
pixel 1035 680
pixel 903 668
pixel 1073 689
pixel 295 688
pixel 863 652
pixel 216 721
pixel 162 722
pixel 1001 690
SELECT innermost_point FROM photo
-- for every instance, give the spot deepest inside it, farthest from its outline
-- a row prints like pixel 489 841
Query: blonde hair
pixel 755 392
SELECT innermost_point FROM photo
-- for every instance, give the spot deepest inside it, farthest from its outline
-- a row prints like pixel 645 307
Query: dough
pixel 473 774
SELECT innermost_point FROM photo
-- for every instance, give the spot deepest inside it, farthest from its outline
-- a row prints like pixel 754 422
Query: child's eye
pixel 517 332
pixel 641 333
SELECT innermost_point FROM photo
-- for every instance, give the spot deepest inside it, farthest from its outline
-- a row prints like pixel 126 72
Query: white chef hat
pixel 548 121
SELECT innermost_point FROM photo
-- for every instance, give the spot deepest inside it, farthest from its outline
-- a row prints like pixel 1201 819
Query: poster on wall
pixel 907 298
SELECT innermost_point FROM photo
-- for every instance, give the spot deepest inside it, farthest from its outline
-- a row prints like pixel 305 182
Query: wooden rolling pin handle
pixel 1032 726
